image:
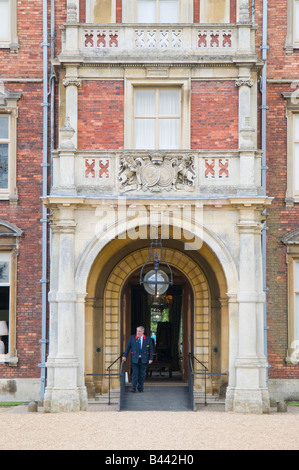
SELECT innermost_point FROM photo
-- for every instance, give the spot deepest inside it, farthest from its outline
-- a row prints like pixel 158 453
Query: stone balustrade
pixel 127 40
pixel 149 173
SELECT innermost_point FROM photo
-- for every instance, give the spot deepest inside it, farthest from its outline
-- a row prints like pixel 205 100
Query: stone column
pixel 72 83
pixel 89 350
pixel 65 392
pixel 247 395
pixel 247 133
pixel 54 280
pixel 261 298
pixel 233 322
pixel 80 339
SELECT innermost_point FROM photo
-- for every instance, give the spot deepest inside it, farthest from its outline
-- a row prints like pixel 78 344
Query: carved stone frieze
pixel 156 172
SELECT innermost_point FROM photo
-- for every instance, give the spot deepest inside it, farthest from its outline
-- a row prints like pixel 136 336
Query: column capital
pixel 244 82
pixel 72 81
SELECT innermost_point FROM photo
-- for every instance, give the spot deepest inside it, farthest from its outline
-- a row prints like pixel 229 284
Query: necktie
pixel 139 343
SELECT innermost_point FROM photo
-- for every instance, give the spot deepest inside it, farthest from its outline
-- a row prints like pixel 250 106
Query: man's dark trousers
pixel 138 374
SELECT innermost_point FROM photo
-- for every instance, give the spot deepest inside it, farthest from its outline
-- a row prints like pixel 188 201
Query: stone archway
pixel 108 314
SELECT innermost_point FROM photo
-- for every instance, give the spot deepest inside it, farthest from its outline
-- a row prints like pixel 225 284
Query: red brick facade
pixel 214 115
pixel 214 125
pixel 101 115
pixel 21 73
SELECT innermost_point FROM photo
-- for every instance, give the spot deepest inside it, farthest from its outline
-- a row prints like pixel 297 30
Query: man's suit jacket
pixel 146 352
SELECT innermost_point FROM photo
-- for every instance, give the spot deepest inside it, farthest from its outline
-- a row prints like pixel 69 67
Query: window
pixel 8 144
pixel 157 118
pixel 296 301
pixel 8 24
pixel 4 302
pixel 9 236
pixel 4 151
pixel 214 11
pixel 296 153
pixel 4 20
pixel 157 11
pixel 296 22
pixel 292 38
pixel 291 240
pixel 292 113
pixel 101 11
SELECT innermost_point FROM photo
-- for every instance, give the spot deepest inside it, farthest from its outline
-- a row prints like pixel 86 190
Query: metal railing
pixel 109 374
pixel 191 375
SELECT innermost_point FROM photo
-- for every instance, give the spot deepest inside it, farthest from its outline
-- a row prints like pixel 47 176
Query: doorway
pixel 168 320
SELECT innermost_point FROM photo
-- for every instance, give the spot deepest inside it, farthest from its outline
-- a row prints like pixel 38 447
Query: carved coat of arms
pixel 156 172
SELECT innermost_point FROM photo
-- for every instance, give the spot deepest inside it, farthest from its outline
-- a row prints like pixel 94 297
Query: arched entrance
pixel 198 322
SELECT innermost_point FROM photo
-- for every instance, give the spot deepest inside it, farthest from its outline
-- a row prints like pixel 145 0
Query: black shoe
pixel 133 390
pixel 139 390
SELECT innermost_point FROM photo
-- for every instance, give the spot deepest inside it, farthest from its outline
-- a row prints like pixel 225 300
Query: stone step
pixel 157 398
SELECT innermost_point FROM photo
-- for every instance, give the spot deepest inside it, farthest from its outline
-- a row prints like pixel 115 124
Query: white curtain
pixel 4 19
pixel 169 11
pixel 169 103
pixel 145 133
pixel 169 134
pixel 146 11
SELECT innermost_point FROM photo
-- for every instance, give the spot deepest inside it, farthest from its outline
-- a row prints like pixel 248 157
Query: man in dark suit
pixel 141 355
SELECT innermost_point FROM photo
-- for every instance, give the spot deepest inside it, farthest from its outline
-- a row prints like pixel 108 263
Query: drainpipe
pixel 253 11
pixel 264 107
pixel 44 221
pixel 52 85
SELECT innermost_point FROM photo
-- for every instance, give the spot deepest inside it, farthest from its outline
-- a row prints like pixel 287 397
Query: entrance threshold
pixel 157 398
pixel 165 378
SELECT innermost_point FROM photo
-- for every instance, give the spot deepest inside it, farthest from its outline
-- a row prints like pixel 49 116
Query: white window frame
pixel 158 11
pixel 9 236
pixel 129 124
pixel 9 108
pixel 11 42
pixel 157 117
pixel 295 143
pixel 6 141
pixel 293 340
pixel 130 11
pixel 6 257
pixel 292 42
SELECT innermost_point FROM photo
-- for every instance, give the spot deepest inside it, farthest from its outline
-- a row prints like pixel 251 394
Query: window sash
pixel 157 11
pixel 4 151
pixel 4 269
pixel 157 118
pixel 296 152
pixel 4 20
pixel 296 21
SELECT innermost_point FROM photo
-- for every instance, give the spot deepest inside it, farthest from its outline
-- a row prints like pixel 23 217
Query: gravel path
pixel 208 429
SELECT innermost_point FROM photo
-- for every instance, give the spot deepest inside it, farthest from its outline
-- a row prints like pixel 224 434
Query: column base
pixel 65 400
pixel 254 401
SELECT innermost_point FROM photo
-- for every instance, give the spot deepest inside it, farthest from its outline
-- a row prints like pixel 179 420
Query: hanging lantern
pixel 156 281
